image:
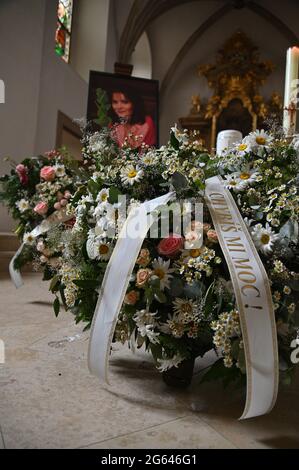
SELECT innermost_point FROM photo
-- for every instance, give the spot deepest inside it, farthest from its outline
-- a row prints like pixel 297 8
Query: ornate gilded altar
pixel 236 102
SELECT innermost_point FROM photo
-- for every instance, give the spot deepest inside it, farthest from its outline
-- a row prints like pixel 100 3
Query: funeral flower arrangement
pixel 180 301
pixel 35 189
pixel 171 296
pixel 262 174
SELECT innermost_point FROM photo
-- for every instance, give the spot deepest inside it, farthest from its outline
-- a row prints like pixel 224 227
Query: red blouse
pixel 136 134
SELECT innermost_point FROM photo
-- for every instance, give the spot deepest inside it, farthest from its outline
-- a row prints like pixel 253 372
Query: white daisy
pixel 166 364
pixel 29 239
pixel 149 158
pixel 231 182
pixel 245 176
pixel 185 309
pixel 259 139
pixel 59 170
pixel 98 248
pixel 264 238
pixel 243 147
pixel 161 269
pixel 103 195
pixel 23 205
pixel 131 175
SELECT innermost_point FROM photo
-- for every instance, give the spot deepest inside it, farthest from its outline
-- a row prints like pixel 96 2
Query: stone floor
pixel 50 400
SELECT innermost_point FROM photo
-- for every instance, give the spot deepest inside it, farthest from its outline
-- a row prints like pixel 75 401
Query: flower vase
pixel 181 376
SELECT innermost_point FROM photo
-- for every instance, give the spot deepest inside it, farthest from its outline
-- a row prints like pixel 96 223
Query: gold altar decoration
pixel 236 103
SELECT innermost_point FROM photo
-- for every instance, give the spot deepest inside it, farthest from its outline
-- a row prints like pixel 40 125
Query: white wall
pixel 90 36
pixel 61 88
pixel 38 82
pixel 142 58
pixel 20 67
pixel 169 32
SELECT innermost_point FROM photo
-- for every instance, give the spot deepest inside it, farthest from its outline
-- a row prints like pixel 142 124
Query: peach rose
pixel 131 297
pixel 212 236
pixel 142 277
pixel 47 173
pixel 144 257
pixel 41 208
pixel 171 245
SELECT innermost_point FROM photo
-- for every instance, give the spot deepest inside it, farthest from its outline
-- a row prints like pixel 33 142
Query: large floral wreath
pixel 180 302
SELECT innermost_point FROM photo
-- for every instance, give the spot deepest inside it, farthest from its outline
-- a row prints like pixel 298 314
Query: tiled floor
pixel 50 400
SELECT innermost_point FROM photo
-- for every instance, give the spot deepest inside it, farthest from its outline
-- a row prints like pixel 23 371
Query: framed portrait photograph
pixel 129 105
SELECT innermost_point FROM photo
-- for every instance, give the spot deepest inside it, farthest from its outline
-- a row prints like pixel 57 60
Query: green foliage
pixel 103 107
pixel 56 306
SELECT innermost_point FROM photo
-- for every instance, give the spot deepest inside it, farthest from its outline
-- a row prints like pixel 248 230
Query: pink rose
pixel 47 173
pixel 171 245
pixel 57 206
pixel 21 168
pixel 41 208
pixel 22 171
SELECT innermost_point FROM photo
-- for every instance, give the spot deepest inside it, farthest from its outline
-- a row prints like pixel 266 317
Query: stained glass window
pixel 64 28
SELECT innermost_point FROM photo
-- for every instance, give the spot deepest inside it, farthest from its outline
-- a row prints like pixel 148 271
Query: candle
pixel 290 91
pixel 226 139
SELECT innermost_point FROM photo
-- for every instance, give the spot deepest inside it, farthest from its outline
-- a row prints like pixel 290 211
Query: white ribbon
pixel 253 297
pixel 116 281
pixel 54 219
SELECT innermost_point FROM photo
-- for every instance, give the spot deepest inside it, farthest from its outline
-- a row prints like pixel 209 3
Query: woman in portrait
pixel 129 120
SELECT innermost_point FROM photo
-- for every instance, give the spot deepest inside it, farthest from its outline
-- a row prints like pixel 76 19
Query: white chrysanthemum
pixel 166 364
pixel 181 136
pixel 103 195
pixel 148 332
pixel 29 239
pixel 59 170
pixel 145 322
pixel 259 139
pixel 161 269
pixel 131 175
pixel 23 205
pixel 264 238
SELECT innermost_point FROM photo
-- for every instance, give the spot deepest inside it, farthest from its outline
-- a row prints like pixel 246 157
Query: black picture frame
pixel 146 89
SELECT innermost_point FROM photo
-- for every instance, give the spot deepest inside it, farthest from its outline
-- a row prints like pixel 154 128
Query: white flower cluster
pixel 226 328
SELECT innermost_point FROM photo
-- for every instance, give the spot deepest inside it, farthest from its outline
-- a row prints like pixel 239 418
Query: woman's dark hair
pixel 138 116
